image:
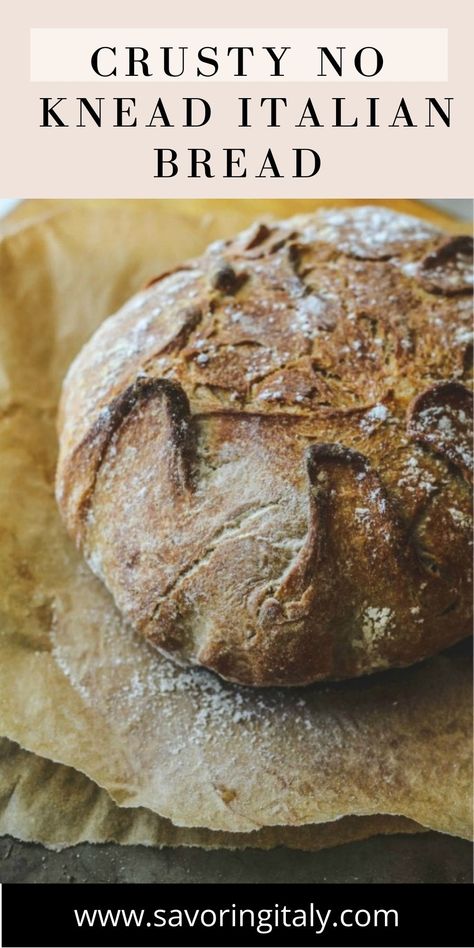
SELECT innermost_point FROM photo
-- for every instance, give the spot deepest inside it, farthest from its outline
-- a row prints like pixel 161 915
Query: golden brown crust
pixel 265 454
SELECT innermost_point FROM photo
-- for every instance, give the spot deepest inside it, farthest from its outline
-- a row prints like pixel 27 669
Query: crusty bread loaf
pixel 266 454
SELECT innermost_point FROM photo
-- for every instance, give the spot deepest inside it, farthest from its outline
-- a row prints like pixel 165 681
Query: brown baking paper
pixel 77 687
pixel 58 806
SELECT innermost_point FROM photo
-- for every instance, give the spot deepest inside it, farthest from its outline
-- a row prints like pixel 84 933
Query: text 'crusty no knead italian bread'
pixel 266 454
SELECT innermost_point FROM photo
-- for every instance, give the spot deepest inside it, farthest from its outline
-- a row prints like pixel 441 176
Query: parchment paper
pixel 45 802
pixel 78 688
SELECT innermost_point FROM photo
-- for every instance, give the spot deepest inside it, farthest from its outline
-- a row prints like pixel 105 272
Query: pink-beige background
pixel 362 162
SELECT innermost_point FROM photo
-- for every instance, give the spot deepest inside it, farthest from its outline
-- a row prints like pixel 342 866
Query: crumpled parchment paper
pixel 55 805
pixel 78 688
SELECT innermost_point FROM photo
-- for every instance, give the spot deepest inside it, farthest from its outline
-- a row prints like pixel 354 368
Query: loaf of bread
pixel 266 454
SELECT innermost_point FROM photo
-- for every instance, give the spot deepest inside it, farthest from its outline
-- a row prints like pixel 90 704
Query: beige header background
pixel 362 162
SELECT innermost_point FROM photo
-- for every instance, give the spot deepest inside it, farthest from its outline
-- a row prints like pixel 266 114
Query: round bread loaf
pixel 266 454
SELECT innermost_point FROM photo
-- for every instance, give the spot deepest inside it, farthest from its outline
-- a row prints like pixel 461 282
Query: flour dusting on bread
pixel 268 442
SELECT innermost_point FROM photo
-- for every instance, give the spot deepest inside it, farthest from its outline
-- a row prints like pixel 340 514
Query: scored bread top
pixel 266 454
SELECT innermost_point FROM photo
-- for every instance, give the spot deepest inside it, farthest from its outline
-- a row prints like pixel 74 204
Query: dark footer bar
pixel 226 915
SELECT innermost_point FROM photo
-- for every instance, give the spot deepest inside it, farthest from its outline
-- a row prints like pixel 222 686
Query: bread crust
pixel 266 455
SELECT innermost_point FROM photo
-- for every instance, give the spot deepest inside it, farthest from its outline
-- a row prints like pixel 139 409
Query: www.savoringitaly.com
pixel 264 920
